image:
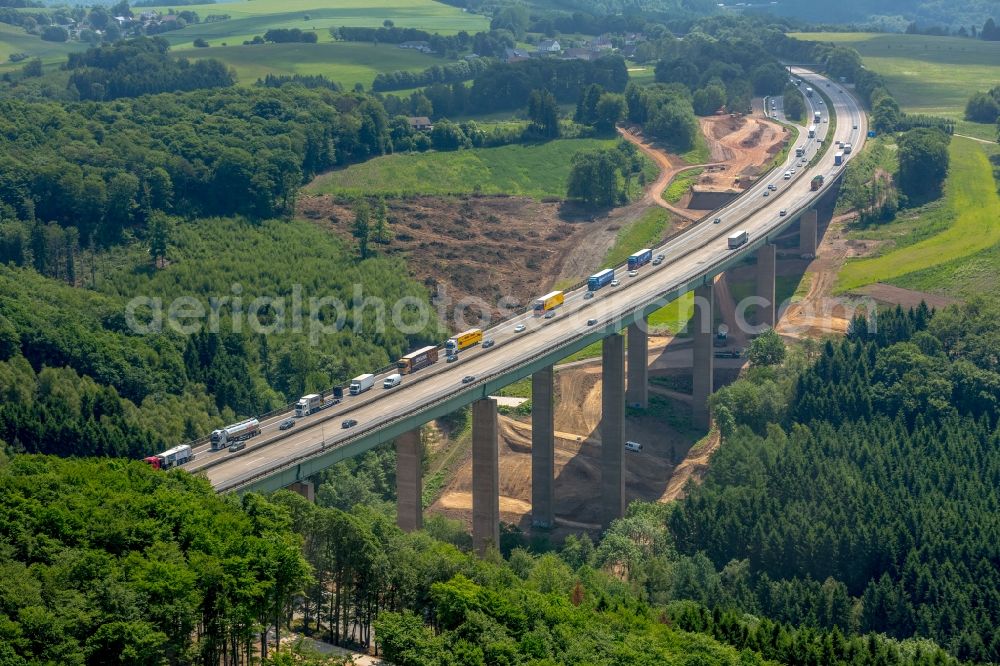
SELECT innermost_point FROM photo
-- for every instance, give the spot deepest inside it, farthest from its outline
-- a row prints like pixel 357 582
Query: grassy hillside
pixel 15 40
pixel 934 75
pixel 254 18
pixel 942 236
pixel 538 171
pixel 346 63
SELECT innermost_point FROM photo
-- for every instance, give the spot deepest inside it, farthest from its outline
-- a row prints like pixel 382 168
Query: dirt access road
pixel 669 169
pixel 740 147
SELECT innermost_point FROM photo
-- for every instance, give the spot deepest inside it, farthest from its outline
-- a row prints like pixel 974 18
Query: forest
pixel 141 67
pixel 76 380
pixel 109 561
pixel 875 469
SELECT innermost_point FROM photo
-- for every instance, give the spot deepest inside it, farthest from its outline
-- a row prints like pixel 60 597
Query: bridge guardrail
pixel 716 267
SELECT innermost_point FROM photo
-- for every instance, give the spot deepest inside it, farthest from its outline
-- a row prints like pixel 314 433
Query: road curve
pixel 696 252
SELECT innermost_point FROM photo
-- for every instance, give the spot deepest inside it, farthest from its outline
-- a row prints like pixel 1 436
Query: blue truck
pixel 602 279
pixel 640 258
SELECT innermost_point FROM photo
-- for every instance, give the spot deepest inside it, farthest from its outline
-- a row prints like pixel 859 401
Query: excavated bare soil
pixel 659 473
pixel 745 143
pixel 501 250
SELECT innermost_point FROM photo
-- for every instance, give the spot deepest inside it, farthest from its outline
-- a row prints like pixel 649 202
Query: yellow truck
pixel 463 340
pixel 549 301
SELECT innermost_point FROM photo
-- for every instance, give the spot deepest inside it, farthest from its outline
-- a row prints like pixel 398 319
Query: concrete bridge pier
pixel 409 481
pixel 809 233
pixel 485 477
pixel 304 488
pixel 542 449
pixel 766 258
pixel 613 428
pixel 702 379
pixel 637 393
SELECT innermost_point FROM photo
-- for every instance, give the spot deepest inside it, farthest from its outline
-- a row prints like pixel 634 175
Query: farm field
pixel 344 62
pixel 934 75
pixel 14 39
pixel 538 171
pixel 254 18
pixel 968 216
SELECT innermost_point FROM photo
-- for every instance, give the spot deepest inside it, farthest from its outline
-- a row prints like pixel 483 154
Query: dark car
pixel 550 314
pixel 452 358
pixel 286 424
pixel 238 445
pixel 487 343
pixel 468 379
pixel 348 423
pixel 591 322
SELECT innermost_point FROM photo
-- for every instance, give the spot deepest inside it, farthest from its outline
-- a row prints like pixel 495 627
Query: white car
pixel 633 273
pixel 772 187
pixel 615 283
pixel 519 328
pixel 782 212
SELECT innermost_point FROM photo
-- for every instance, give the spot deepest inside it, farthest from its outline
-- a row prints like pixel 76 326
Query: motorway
pixel 702 250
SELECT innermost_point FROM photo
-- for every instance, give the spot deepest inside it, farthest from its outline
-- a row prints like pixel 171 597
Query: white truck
pixel 238 431
pixel 817 116
pixel 847 149
pixel 308 404
pixel 737 239
pixel 392 381
pixel 362 383
pixel 171 457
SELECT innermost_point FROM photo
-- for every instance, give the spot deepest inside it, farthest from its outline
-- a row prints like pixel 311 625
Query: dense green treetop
pixel 876 467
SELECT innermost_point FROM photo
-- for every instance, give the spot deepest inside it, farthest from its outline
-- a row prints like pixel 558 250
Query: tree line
pixel 449 73
pixel 141 66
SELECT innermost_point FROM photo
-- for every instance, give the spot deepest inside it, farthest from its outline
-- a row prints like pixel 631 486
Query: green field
pixel 952 233
pixel 344 62
pixel 254 18
pixel 537 170
pixel 934 75
pixel 15 40
pixel 680 185
pixel 647 231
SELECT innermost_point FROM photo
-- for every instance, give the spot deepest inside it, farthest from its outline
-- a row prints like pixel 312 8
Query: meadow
pixel 965 222
pixel 347 63
pixel 254 18
pixel 534 170
pixel 14 39
pixel 934 75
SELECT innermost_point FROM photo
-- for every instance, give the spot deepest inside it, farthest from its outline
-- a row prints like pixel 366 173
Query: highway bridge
pixel 692 260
